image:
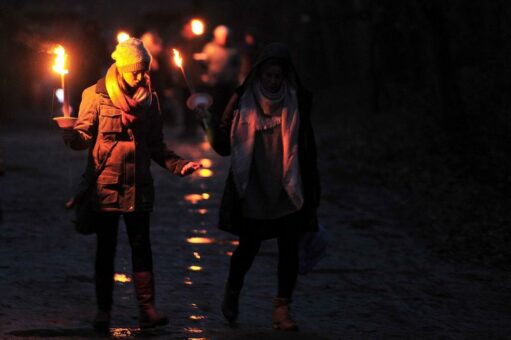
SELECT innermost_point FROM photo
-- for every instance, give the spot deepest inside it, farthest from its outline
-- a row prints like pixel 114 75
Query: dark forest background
pixel 413 94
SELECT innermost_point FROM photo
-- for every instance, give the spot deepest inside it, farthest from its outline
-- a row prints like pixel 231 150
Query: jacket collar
pixel 101 87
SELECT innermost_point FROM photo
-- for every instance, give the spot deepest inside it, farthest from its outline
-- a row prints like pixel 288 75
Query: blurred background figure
pixel 223 64
pixel 190 42
pixel 248 53
pixel 161 80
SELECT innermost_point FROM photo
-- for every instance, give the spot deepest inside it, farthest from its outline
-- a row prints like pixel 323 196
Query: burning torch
pixel 65 122
pixel 196 98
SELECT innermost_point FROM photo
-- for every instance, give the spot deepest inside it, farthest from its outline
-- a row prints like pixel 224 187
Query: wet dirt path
pixel 376 282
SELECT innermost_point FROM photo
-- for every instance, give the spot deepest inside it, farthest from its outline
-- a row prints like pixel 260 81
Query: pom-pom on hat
pixel 131 56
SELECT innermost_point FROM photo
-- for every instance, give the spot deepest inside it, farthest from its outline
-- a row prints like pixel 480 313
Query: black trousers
pixel 285 230
pixel 137 226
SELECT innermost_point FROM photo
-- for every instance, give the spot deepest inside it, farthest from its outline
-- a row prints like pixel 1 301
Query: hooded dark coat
pixel 218 133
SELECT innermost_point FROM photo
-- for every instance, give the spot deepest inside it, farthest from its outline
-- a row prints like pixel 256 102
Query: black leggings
pixel 243 257
pixel 137 226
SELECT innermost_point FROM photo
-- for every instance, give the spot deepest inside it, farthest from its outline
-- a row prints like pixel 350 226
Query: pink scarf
pixel 132 106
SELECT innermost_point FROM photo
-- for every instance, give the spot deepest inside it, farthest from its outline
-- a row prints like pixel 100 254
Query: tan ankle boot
pixel 281 318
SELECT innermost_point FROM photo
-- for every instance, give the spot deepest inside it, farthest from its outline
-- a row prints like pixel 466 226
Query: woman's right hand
pixel 68 135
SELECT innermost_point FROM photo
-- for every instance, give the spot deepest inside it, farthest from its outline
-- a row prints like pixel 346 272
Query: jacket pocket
pixel 107 187
pixel 110 120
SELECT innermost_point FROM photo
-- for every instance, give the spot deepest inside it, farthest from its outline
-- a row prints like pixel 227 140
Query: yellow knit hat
pixel 131 56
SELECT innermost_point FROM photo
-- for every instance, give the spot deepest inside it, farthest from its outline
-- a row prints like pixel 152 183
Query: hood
pixel 277 51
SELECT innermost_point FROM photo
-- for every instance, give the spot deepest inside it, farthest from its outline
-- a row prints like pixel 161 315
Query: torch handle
pixel 65 103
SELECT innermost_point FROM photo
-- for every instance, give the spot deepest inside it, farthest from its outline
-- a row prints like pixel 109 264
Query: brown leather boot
pixel 230 303
pixel 144 287
pixel 281 318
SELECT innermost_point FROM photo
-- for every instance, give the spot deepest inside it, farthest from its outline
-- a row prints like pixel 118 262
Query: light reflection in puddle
pixel 205 173
pixel 206 162
pixel 200 240
pixel 194 198
pixel 197 317
pixel 121 278
pixel 188 281
pixel 193 330
pixel 201 211
pixel 205 146
pixel 195 268
pixel 124 332
pixel 196 255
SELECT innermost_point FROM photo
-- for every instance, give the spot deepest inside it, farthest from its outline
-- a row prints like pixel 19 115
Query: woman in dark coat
pixel 120 123
pixel 272 189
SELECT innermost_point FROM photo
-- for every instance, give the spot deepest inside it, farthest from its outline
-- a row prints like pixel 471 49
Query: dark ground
pixel 380 280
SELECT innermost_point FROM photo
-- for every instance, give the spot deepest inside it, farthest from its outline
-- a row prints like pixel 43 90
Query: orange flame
pixel 122 36
pixel 177 58
pixel 197 26
pixel 122 278
pixel 60 60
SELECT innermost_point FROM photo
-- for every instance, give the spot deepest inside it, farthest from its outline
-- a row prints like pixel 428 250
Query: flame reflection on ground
pixel 194 198
pixel 124 332
pixel 200 240
pixel 197 317
pixel 206 162
pixel 193 330
pixel 121 278
pixel 205 173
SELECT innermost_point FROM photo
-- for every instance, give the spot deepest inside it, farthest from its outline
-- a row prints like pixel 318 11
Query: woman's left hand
pixel 189 168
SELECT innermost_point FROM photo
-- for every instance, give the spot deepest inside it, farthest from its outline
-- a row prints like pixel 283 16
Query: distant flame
pixel 188 281
pixel 177 58
pixel 60 60
pixel 197 26
pixel 196 255
pixel 195 268
pixel 122 278
pixel 122 37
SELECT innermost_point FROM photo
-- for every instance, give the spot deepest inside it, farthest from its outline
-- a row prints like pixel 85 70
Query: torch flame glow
pixel 121 278
pixel 197 26
pixel 177 58
pixel 60 60
pixel 122 37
